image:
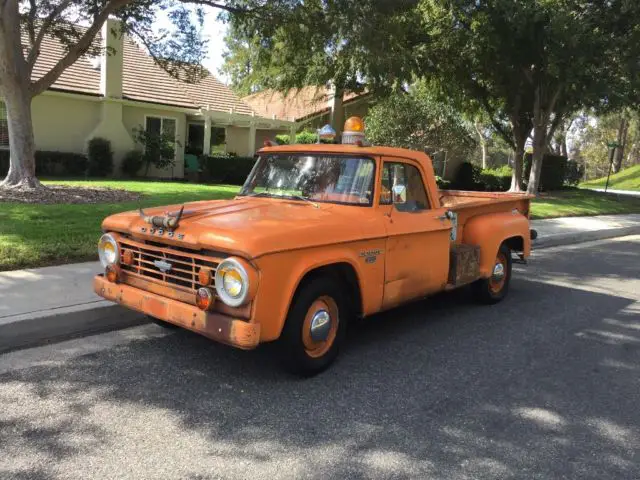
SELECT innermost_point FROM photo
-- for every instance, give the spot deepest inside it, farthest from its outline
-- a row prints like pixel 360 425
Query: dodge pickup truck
pixel 317 236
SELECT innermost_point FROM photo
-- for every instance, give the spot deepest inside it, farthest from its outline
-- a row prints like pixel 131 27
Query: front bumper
pixel 221 328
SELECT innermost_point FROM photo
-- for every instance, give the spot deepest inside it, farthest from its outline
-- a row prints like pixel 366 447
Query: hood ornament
pixel 170 221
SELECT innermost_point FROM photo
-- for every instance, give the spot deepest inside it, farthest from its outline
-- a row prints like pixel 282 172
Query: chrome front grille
pixel 164 264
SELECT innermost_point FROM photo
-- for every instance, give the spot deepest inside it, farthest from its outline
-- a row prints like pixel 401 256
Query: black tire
pixel 162 323
pixel 485 288
pixel 293 353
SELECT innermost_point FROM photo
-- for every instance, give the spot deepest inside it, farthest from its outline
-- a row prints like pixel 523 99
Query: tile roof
pixel 143 80
pixel 297 103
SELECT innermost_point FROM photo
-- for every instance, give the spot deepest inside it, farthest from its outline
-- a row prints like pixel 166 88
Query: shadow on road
pixel 544 385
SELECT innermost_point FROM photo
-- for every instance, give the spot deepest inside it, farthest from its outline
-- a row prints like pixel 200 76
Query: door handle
pixel 443 217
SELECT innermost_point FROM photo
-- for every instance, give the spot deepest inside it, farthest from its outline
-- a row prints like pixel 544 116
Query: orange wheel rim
pixel 499 275
pixel 317 348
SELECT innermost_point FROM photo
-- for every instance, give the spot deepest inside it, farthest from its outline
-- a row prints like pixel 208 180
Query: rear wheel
pixel 315 327
pixel 493 289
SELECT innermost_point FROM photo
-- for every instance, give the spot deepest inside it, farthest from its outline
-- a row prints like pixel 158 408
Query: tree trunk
pixel 22 165
pixel 539 143
pixel 520 134
pixel 483 143
pixel 622 141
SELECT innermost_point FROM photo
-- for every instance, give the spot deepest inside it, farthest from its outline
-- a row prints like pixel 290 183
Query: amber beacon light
pixel 353 132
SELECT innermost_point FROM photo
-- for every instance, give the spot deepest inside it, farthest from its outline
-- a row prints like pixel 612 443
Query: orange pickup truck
pixel 318 235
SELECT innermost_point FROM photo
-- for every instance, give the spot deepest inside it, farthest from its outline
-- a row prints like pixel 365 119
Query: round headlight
pixel 232 282
pixel 108 250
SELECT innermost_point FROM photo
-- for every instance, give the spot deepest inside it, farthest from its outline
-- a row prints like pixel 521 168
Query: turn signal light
pixel 354 124
pixel 127 257
pixel 205 276
pixel 204 299
pixel 112 273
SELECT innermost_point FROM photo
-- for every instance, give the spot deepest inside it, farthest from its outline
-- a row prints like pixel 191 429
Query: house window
pixel 4 127
pixel 218 140
pixel 164 125
pixel 195 139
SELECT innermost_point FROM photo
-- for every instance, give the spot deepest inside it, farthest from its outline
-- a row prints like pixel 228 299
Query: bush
pixel 574 173
pixel 100 157
pixel 467 177
pixel 302 138
pixel 4 163
pixel 471 177
pixel 553 174
pixel 132 163
pixel 60 164
pixel 496 179
pixel 52 164
pixel 227 169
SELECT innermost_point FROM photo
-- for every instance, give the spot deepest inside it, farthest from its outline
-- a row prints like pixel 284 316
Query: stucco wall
pixel 238 141
pixel 134 117
pixel 63 124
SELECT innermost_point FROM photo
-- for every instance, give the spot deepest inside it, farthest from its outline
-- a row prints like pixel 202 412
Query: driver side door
pixel 418 236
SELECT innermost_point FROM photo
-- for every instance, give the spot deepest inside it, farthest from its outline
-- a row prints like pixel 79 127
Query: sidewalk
pixel 565 230
pixel 43 304
pixel 631 193
pixel 46 304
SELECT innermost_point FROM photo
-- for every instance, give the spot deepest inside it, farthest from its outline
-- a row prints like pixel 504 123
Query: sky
pixel 215 31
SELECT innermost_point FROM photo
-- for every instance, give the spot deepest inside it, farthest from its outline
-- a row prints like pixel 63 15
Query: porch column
pixel 252 139
pixel 206 148
pixel 292 133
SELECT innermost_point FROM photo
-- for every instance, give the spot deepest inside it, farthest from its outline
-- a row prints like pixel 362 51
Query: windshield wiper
pixel 306 199
pixel 256 194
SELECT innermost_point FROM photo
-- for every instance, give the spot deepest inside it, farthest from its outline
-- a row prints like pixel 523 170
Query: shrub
pixel 552 174
pixel 227 169
pixel 52 164
pixel 574 173
pixel 4 163
pixel 303 138
pixel 132 163
pixel 100 157
pixel 60 164
pixel 467 177
pixel 159 149
pixel 496 179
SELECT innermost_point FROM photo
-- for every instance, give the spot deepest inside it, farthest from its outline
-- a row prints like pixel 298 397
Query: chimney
pixel 111 61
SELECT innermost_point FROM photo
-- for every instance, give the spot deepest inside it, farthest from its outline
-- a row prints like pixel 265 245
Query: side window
pixel 402 185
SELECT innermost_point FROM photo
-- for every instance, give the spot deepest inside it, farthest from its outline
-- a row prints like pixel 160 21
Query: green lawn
pixel 38 235
pixel 575 202
pixel 627 179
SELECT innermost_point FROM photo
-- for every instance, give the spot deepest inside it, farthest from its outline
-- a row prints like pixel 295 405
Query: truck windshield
pixel 319 178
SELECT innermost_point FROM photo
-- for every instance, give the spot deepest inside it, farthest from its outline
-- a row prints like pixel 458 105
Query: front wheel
pixel 315 327
pixel 493 289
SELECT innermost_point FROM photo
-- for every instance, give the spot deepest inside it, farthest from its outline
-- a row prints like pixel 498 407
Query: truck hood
pixel 252 227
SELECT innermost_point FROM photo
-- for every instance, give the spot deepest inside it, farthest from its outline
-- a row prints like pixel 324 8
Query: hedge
pixel 226 169
pixel 471 177
pixel 553 174
pixel 52 164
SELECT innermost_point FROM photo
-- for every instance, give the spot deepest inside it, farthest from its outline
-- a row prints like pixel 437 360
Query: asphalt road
pixel 543 385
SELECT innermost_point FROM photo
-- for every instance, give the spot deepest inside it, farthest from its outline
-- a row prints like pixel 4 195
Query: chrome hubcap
pixel 320 326
pixel 498 272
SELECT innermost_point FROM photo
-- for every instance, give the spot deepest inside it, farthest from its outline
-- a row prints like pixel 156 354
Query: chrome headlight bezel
pixel 228 299
pixel 110 239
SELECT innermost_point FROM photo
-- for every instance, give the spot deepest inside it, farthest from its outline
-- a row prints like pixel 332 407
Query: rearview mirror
pixel 399 194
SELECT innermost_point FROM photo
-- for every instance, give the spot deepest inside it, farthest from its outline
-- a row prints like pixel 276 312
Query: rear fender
pixel 491 230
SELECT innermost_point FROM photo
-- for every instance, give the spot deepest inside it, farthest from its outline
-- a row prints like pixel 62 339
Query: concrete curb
pixel 546 241
pixel 54 325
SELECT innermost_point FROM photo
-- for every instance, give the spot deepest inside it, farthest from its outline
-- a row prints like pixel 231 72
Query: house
pixel 310 107
pixel 112 95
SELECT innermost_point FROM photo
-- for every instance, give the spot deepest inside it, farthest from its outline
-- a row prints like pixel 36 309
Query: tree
pixel 418 120
pixel 346 45
pixel 75 24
